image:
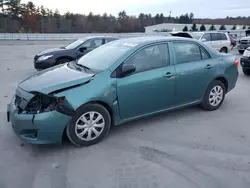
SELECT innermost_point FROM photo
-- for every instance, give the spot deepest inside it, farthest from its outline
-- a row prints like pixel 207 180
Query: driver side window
pixel 92 44
pixel 152 57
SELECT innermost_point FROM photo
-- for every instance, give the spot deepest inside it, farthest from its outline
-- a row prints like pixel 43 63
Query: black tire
pixel 206 105
pixel 241 51
pixel 91 107
pixel 223 50
pixel 246 71
pixel 62 61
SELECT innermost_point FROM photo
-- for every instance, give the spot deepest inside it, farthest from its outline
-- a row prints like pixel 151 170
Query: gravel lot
pixel 188 148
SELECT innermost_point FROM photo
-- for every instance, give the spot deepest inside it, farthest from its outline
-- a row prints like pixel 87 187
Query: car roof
pixel 152 39
pixel 99 36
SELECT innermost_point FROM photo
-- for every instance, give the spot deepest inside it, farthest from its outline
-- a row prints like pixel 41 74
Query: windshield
pixel 196 35
pixel 74 44
pixel 104 56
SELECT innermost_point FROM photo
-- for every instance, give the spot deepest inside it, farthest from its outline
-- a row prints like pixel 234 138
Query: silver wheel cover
pixel 89 126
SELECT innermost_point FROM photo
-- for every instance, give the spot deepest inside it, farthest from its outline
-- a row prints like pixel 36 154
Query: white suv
pixel 218 40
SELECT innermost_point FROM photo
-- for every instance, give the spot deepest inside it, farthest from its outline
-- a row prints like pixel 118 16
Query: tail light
pixel 236 62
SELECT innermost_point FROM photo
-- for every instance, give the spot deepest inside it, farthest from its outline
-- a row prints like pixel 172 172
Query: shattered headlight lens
pixel 42 103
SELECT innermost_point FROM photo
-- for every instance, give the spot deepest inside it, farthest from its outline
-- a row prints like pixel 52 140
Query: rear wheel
pixel 214 96
pixel 223 50
pixel 246 71
pixel 90 125
pixel 241 51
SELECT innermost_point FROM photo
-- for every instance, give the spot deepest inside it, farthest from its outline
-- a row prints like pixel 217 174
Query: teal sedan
pixel 118 82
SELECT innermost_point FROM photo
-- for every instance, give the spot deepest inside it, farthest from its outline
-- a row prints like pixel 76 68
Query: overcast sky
pixel 200 8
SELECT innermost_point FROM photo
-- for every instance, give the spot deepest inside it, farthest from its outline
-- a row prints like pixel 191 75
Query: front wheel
pixel 214 96
pixel 246 71
pixel 62 61
pixel 90 125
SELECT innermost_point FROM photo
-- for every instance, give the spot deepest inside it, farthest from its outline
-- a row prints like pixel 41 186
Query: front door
pixel 151 87
pixel 194 71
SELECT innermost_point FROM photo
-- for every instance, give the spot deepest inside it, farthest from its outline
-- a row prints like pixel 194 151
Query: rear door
pixel 216 41
pixel 194 71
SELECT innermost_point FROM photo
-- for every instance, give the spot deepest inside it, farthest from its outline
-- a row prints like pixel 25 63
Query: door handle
pixel 168 75
pixel 209 66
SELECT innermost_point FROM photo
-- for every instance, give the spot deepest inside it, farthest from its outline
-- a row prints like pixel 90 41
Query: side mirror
pixel 203 40
pixel 82 49
pixel 128 69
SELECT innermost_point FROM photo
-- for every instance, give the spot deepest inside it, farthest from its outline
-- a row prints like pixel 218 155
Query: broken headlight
pixel 43 103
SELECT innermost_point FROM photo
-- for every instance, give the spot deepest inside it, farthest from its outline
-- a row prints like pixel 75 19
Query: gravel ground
pixel 187 148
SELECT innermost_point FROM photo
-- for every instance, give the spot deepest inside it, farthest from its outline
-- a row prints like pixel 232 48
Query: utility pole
pixel 169 17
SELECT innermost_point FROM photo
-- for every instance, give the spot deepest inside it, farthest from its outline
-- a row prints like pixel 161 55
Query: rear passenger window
pixel 215 36
pixel 188 52
pixel 223 36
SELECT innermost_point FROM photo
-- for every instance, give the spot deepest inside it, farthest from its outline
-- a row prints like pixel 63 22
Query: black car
pixel 51 57
pixel 245 62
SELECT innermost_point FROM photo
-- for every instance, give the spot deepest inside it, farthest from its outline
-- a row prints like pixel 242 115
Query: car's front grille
pixel 245 42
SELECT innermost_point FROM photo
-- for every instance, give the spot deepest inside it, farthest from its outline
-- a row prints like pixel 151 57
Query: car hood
pixel 52 50
pixel 53 79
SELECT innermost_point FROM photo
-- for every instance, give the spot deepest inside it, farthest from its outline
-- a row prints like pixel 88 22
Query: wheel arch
pixel 64 57
pixel 224 81
pixel 224 47
pixel 104 104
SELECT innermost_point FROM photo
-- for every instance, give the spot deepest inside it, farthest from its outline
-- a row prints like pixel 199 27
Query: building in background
pixel 236 30
pixel 169 27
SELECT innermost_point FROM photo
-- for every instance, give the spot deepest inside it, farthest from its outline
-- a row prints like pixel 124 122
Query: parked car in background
pixel 244 43
pixel 217 40
pixel 118 82
pixel 245 62
pixel 51 57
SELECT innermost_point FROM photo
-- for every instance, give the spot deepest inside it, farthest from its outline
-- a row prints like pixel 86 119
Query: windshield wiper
pixel 83 66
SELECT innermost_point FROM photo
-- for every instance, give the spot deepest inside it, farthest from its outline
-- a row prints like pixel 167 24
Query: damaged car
pixel 120 81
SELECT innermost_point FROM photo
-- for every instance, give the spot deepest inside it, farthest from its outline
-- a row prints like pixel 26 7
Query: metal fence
pixel 74 36
pixel 66 36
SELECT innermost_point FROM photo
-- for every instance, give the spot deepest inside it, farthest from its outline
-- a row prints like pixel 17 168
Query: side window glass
pixel 149 58
pixel 215 36
pixel 207 37
pixel 186 52
pixel 204 54
pixel 108 40
pixel 92 44
pixel 223 36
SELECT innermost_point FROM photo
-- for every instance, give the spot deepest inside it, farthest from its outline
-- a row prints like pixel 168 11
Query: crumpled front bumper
pixel 43 128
